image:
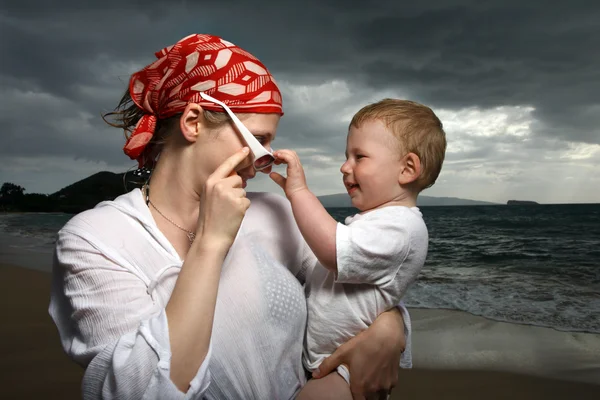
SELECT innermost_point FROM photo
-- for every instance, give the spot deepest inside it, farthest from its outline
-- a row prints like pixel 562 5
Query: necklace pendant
pixel 191 236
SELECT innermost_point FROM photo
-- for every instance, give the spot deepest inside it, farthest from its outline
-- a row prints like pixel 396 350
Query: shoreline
pixel 456 355
pixel 14 251
pixel 18 251
pixel 531 324
pixel 42 259
pixel 454 340
pixel 527 285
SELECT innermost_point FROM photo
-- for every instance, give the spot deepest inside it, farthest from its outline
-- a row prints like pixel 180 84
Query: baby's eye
pixel 261 139
pixel 359 156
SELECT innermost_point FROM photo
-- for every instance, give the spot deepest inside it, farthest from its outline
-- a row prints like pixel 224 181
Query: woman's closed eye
pixel 262 140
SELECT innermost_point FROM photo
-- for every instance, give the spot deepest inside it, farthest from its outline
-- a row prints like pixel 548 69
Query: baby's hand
pixel 295 181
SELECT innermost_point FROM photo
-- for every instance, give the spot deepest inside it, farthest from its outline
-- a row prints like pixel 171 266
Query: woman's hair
pixel 127 114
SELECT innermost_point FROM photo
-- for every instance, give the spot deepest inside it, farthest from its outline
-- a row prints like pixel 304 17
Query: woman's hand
pixel 372 357
pixel 223 203
pixel 295 181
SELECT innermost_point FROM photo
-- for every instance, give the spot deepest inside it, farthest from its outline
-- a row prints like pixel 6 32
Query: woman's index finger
pixel 228 166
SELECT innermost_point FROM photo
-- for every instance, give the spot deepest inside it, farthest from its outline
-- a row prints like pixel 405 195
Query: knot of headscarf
pixel 198 63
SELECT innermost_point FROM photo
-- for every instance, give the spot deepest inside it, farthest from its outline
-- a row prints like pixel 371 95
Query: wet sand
pixel 32 363
pixel 455 354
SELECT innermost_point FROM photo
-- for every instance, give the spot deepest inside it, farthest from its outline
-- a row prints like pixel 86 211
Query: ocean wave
pixel 528 265
pixel 518 318
pixel 41 228
pixel 516 298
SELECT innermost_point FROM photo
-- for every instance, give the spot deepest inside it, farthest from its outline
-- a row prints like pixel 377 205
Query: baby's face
pixel 373 166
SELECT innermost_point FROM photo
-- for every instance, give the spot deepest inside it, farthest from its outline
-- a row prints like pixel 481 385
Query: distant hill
pixel 77 197
pixel 88 192
pixel 343 200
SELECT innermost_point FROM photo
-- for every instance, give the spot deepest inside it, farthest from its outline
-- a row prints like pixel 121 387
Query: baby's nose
pixel 345 168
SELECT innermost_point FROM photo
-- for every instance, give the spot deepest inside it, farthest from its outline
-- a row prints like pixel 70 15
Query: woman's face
pixel 227 140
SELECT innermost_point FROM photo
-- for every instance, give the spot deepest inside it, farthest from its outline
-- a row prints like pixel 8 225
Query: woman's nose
pixel 249 171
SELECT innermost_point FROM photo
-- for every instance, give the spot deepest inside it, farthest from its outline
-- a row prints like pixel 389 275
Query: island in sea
pixel 521 203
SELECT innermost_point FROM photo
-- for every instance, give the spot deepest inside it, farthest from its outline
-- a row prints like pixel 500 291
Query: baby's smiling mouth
pixel 351 186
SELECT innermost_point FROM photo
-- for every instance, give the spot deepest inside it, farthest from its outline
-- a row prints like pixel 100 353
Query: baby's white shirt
pixel 379 254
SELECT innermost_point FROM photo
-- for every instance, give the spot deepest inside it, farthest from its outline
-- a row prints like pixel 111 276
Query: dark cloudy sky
pixel 516 86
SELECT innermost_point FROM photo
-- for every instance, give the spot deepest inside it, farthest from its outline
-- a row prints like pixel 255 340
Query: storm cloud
pixel 515 85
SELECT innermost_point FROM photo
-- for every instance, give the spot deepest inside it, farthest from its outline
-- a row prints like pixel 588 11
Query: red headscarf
pixel 199 63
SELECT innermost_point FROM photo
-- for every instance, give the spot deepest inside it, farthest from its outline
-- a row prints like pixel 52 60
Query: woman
pixel 189 288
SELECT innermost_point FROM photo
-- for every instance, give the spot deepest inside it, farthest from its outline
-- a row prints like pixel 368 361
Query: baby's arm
pixel 314 222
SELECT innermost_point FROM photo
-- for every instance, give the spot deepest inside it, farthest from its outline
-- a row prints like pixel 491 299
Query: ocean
pixel 537 265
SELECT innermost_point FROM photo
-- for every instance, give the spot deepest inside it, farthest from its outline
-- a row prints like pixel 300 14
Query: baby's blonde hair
pixel 418 130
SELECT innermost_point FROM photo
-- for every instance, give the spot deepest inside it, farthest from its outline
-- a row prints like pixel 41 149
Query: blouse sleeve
pixel 109 323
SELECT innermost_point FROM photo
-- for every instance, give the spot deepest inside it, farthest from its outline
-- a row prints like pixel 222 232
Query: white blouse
pixel 113 275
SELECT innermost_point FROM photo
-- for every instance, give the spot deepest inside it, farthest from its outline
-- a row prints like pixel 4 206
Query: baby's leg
pixel 330 387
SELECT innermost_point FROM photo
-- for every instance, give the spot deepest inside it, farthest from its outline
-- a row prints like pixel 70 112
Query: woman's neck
pixel 172 192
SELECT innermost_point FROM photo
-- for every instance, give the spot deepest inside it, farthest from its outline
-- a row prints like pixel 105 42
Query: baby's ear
pixel 410 169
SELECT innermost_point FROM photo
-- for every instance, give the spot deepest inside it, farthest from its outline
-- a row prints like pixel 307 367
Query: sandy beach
pixel 456 355
pixel 32 363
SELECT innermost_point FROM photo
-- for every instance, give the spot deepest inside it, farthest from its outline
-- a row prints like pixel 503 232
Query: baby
pixel 394 150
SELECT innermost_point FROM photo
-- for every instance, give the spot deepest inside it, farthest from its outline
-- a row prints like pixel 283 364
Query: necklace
pixel 191 235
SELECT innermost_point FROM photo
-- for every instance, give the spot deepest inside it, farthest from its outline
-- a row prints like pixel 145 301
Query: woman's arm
pixel 373 356
pixel 191 309
pixel 109 324
pixel 107 318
